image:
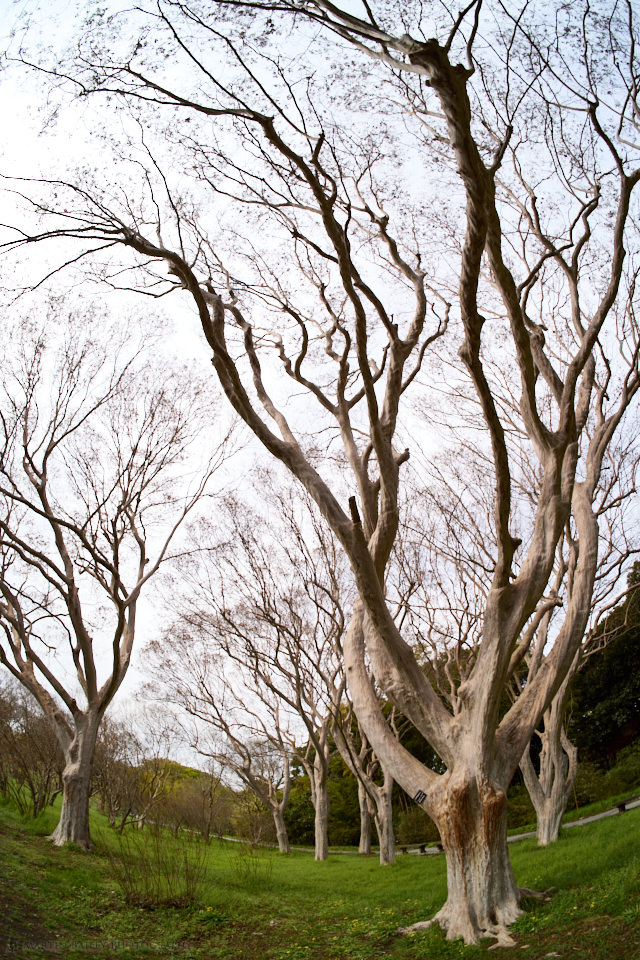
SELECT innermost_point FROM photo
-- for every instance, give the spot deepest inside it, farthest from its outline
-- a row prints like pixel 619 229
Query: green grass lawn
pixel 261 905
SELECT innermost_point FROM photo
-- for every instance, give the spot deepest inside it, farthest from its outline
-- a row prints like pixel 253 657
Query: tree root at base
pixel 501 933
pixel 544 896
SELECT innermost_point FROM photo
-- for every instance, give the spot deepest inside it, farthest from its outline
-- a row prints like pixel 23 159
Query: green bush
pixel 625 775
pixel 590 784
pixel 520 812
pixel 414 826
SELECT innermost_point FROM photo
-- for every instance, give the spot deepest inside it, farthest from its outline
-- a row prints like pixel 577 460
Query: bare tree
pixel 264 612
pixel 550 785
pixel 114 770
pixel 133 770
pixel 94 486
pixel 516 132
pixel 207 803
pixel 440 567
pixel 240 725
pixel 374 798
pixel 30 757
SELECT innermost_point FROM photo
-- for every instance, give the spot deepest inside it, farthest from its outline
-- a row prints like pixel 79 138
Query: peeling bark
pixel 482 894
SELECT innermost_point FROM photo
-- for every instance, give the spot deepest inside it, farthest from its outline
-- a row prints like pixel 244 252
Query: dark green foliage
pixel 520 812
pixel 605 705
pixel 592 784
pixel 344 810
pixel 414 826
pixel 299 814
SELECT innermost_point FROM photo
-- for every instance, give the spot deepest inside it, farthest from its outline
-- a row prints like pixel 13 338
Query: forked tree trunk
pixel 364 846
pixel 482 894
pixel 281 830
pixel 73 826
pixel 550 789
pixel 549 820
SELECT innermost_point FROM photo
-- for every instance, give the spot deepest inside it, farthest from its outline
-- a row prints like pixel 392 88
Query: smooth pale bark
pixel 374 799
pixel 73 826
pixel 364 845
pixel 318 772
pixel 384 822
pixel 550 789
pixel 267 792
pixel 281 830
pixel 320 798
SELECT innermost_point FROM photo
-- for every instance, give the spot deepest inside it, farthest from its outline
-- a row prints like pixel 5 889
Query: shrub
pixel 152 869
pixel 414 826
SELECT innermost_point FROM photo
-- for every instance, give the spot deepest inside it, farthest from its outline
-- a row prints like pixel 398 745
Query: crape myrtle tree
pixel 237 724
pixel 550 779
pixel 389 185
pixel 264 609
pixel 375 785
pixel 445 575
pixel 94 484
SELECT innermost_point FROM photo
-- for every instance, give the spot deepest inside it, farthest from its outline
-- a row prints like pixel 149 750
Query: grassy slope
pixel 276 908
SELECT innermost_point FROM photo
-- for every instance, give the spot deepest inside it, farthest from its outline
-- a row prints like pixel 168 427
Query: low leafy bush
pixel 625 775
pixel 414 826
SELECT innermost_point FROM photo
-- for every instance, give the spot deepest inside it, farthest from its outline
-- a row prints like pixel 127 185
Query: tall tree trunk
pixel 73 826
pixel 318 773
pixel 281 829
pixel 384 822
pixel 322 820
pixel 482 894
pixel 364 846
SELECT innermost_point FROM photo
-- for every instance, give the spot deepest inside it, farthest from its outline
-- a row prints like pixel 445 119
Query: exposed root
pixel 543 896
pixel 416 927
pixel 503 938
pixel 499 931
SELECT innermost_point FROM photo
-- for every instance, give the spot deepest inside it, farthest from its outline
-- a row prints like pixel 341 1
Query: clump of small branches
pixel 152 869
pixel 251 866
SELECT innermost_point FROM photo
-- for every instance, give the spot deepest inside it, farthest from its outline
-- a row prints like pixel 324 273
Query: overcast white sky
pixel 30 147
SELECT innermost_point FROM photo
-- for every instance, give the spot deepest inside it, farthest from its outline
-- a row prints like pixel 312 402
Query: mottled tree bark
pixel 550 788
pixel 73 826
pixel 366 820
